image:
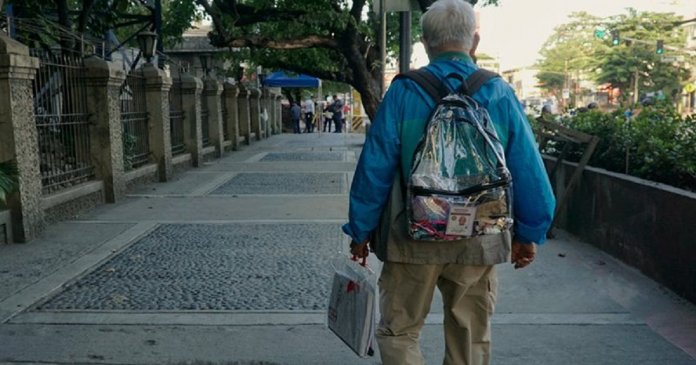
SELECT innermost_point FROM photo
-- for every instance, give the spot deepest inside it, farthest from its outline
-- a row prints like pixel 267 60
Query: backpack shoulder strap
pixel 476 80
pixel 426 80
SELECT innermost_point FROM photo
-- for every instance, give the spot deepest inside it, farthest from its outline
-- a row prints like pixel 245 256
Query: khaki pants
pixel 406 291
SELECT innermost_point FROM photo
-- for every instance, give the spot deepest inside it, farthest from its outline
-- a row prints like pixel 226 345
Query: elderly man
pixel 462 270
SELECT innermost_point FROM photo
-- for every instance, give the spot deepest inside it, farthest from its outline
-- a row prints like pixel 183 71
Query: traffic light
pixel 600 32
pixel 615 39
pixel 660 47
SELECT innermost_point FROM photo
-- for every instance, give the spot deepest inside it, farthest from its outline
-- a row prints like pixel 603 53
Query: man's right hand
pixel 360 250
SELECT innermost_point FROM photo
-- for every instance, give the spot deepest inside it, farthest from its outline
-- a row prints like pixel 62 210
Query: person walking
pixel 327 114
pixel 337 110
pixel 309 115
pixel 296 115
pixel 463 270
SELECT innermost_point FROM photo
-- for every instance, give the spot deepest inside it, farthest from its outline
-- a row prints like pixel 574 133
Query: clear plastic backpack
pixel 459 185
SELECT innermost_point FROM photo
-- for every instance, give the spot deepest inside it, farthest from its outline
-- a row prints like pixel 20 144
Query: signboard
pixel 566 94
pixel 690 87
pixel 395 5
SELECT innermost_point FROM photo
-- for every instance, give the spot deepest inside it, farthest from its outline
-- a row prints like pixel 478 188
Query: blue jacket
pixel 400 124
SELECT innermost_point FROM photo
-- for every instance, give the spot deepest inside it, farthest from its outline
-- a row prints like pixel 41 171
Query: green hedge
pixel 657 144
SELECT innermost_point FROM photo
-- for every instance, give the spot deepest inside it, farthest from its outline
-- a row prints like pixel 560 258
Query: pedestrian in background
pixel 296 115
pixel 463 270
pixel 337 110
pixel 309 114
pixel 327 114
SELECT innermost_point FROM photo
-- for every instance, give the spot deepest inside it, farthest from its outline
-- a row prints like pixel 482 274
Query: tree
pixel 95 17
pixel 331 39
pixel 636 64
pixel 568 54
pixel 574 52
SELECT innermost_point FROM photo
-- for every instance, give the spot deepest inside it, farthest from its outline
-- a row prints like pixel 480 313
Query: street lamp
pixel 148 42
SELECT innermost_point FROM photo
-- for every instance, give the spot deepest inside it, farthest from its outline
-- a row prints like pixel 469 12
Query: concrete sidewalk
pixel 230 264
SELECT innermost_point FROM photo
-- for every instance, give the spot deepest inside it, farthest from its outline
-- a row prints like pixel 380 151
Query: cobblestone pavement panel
pixel 212 267
pixel 284 183
pixel 304 156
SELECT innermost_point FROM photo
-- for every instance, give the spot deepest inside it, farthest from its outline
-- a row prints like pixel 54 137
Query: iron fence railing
pixel 205 122
pixel 134 121
pixel 62 120
pixel 176 117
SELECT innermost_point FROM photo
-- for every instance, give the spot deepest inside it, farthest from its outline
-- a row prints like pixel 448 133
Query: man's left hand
pixel 522 254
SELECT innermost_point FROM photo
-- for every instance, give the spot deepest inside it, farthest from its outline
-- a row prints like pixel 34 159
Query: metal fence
pixel 205 122
pixel 176 116
pixel 134 120
pixel 62 120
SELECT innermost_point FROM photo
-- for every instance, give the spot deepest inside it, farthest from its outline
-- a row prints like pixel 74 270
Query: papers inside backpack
pixel 459 185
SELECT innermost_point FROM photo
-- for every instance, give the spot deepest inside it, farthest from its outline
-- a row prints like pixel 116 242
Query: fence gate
pixel 134 121
pixel 62 120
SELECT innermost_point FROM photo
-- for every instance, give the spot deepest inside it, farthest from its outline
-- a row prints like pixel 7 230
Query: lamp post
pixel 148 42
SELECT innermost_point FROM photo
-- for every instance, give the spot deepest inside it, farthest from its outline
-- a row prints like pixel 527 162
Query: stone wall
pixel 31 207
pixel 648 225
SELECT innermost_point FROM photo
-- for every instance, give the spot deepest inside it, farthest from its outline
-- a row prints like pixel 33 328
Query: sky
pixel 515 30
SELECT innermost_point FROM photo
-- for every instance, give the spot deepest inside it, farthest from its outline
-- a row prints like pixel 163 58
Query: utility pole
pixel 405 41
pixel 636 76
pixel 382 44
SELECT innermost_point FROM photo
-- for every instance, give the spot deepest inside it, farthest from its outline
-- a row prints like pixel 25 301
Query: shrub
pixel 656 144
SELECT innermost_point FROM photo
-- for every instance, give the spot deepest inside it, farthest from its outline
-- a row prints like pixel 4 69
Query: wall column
pixel 157 87
pixel 19 137
pixel 213 90
pixel 104 80
pixel 279 113
pixel 191 88
pixel 244 114
pixel 255 114
pixel 232 122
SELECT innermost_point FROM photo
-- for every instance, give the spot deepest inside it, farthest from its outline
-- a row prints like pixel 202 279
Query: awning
pixel 280 79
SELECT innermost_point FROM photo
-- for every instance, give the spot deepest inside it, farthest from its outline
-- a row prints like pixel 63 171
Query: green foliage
pixel 129 142
pixel 657 144
pixel 93 17
pixel 8 179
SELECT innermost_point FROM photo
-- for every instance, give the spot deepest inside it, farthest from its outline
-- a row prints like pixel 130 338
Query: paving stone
pixel 304 156
pixel 212 267
pixel 284 183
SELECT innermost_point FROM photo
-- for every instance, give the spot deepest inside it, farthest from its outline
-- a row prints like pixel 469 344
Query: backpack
pixel 459 185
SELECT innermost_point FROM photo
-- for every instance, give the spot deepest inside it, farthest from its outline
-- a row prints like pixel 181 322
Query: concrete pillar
pixel 255 114
pixel 211 95
pixel 279 111
pixel 19 137
pixel 157 86
pixel 244 114
pixel 271 113
pixel 191 88
pixel 266 112
pixel 104 80
pixel 231 124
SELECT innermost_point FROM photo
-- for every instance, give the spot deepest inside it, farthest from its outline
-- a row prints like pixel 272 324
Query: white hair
pixel 449 22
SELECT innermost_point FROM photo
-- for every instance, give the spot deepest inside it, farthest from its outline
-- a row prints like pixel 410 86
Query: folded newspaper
pixel 352 307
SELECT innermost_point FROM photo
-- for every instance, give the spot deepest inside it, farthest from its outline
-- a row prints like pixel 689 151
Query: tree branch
pixel 265 42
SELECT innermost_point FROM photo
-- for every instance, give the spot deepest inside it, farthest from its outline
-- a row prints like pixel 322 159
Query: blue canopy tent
pixel 280 79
